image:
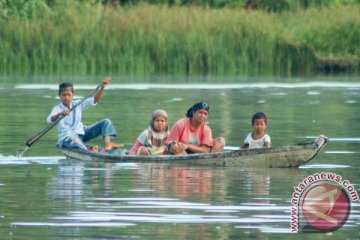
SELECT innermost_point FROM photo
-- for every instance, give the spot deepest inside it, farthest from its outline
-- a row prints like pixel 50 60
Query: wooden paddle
pixel 36 137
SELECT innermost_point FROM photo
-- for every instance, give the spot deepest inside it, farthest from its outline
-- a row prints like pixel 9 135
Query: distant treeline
pixel 24 7
pixel 138 37
pixel 269 5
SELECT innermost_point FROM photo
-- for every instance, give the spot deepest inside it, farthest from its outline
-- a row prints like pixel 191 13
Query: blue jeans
pixel 103 127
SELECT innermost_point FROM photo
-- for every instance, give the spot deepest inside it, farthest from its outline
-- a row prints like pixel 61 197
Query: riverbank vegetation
pixel 124 38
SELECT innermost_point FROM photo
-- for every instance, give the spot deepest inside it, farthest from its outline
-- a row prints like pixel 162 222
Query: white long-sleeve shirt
pixel 71 124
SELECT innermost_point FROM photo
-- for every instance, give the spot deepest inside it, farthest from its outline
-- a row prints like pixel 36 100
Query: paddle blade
pixel 32 140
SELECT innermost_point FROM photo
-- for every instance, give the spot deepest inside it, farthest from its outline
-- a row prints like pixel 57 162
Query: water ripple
pixel 336 166
pixel 73 224
pixel 29 160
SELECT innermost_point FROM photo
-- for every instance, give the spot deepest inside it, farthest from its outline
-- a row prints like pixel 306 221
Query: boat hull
pixel 288 156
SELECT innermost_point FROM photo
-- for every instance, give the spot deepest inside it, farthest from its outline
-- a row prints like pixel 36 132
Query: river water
pixel 45 196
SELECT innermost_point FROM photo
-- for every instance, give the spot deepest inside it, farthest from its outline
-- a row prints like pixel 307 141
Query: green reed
pixel 145 40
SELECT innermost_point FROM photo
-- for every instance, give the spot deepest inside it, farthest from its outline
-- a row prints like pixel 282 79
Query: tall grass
pixel 332 34
pixel 145 40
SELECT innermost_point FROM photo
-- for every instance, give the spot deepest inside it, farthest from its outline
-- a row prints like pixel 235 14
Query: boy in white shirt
pixel 71 131
pixel 258 138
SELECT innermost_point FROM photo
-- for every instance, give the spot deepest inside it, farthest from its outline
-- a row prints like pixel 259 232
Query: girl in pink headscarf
pixel 152 140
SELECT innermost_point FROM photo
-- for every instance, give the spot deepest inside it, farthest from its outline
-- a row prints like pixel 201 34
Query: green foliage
pixel 274 6
pixel 227 3
pixel 24 8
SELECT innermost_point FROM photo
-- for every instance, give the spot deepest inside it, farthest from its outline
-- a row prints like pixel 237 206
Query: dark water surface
pixel 45 196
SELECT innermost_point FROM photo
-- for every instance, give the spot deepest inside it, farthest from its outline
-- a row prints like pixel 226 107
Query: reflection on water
pixel 45 196
pixel 224 200
pixel 192 190
pixel 69 184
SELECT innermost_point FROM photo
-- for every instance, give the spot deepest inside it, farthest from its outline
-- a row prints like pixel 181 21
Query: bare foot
pixel 113 146
pixel 94 149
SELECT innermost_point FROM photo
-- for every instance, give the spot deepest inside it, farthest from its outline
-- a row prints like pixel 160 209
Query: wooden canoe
pixel 278 157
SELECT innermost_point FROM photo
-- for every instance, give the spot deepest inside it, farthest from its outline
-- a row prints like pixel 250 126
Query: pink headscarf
pixel 155 114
